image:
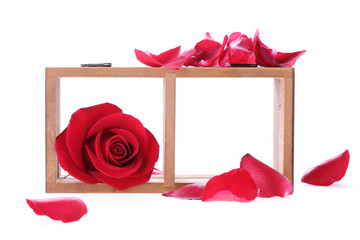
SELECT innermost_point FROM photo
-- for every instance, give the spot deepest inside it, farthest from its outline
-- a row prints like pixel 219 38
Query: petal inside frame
pixel 65 209
pixel 270 182
pixel 329 171
pixel 235 185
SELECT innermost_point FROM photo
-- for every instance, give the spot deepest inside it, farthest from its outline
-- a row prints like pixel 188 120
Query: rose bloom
pixel 102 144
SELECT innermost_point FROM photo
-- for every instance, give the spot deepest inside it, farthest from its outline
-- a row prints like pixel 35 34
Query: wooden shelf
pixel 283 121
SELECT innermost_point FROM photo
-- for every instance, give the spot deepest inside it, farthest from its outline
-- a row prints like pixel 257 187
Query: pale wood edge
pixel 169 129
pixel 185 72
pixel 79 187
pixel 52 101
pixel 283 158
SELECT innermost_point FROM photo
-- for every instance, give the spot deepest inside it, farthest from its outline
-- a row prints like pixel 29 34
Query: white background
pixel 38 34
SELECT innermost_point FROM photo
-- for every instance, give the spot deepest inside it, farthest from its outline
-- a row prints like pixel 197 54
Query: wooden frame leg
pixel 284 126
pixel 52 122
pixel 169 129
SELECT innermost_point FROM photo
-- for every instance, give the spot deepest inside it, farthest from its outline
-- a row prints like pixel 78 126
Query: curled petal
pixel 235 185
pixel 65 209
pixel 146 59
pixel 206 53
pixel 270 182
pixel 192 191
pixel 329 171
pixel 239 51
pixel 188 57
pixel 268 57
pixel 169 58
pixel 206 50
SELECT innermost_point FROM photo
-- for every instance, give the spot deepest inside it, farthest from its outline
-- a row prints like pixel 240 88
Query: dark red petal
pixel 127 139
pixel 235 185
pixel 148 146
pixel 80 123
pixel 67 163
pixel 66 209
pixel 113 171
pixel 151 156
pixel 268 57
pixel 110 141
pixel 192 191
pixel 329 171
pixel 121 183
pixel 270 182
pixel 122 121
pixel 146 59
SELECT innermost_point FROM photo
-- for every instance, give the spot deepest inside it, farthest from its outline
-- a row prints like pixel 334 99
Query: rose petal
pixel 80 122
pixel 151 157
pixel 206 53
pixel 235 185
pixel 268 57
pixel 110 170
pixel 239 50
pixel 206 50
pixel 146 59
pixel 67 163
pixel 169 58
pixel 192 191
pixel 66 209
pixel 270 182
pixel 329 171
pixel 113 137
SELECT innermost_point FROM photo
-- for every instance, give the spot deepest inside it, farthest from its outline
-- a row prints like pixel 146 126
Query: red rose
pixel 102 144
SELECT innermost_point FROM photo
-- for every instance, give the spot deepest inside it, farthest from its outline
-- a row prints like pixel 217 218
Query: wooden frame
pixel 283 121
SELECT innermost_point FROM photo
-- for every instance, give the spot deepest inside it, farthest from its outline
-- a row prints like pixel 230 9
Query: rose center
pixel 118 150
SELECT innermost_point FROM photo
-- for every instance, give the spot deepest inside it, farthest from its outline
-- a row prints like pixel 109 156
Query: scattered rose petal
pixel 268 57
pixel 235 185
pixel 191 191
pixel 270 182
pixel 329 171
pixel 169 58
pixel 239 51
pixel 206 53
pixel 66 209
